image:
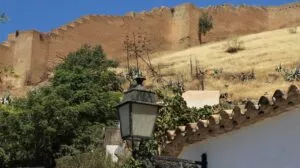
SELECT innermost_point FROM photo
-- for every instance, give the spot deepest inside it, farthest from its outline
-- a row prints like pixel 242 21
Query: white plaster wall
pixel 111 149
pixel 271 143
pixel 200 98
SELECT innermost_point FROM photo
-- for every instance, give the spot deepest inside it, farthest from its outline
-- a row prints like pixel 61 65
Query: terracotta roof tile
pixel 228 120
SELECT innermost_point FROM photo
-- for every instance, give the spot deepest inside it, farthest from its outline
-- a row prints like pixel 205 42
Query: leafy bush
pixel 200 113
pixel 289 74
pixel 175 113
pixel 3 158
pixel 234 45
pixel 95 159
pixel 216 73
pixel 133 163
pixel 292 75
pixel 67 117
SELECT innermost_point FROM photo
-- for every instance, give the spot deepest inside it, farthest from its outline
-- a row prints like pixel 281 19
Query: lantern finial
pixel 139 78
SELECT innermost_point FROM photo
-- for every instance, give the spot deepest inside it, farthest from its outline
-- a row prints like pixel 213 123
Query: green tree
pixel 66 117
pixel 205 25
pixel 3 158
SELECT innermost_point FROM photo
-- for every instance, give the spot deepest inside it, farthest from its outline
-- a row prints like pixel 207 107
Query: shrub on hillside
pixel 289 74
pixel 216 73
pixel 234 45
pixel 292 75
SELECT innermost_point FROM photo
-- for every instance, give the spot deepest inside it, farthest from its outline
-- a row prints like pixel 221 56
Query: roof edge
pixel 230 120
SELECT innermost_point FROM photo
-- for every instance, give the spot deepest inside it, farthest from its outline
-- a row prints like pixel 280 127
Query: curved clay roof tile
pixel 279 94
pixel 232 119
pixel 226 114
pixel 293 95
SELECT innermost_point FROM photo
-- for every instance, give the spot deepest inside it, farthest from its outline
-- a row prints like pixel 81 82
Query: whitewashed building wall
pixel 271 143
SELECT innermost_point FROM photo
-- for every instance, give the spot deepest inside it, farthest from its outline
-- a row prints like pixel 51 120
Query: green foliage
pixel 289 74
pixel 94 159
pixel 176 113
pixel 173 113
pixel 133 163
pixel 3 158
pixel 216 73
pixel 147 149
pixel 205 25
pixel 66 117
pixel 199 113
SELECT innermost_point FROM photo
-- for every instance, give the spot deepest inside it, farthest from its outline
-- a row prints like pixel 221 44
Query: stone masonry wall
pixel 22 55
pixel 32 53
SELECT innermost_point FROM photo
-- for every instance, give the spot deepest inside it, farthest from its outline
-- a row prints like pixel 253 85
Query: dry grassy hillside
pixel 262 53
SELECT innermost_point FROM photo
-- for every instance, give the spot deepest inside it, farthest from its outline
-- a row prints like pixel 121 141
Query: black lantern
pixel 137 112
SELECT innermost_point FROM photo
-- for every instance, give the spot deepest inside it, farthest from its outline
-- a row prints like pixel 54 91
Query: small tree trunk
pixel 191 67
pixel 202 83
pixel 200 37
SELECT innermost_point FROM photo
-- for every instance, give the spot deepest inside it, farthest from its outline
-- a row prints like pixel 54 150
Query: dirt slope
pixel 262 53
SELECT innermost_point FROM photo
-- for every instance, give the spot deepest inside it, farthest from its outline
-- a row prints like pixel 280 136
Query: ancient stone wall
pixel 22 55
pixel 284 16
pixel 32 53
pixel 181 22
pixel 39 58
pixel 5 53
pixel 109 31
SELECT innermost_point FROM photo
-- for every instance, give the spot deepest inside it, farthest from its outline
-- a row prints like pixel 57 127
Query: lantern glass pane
pixel 143 119
pixel 124 115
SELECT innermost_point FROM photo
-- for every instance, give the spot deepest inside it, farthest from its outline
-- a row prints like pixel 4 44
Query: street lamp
pixel 137 112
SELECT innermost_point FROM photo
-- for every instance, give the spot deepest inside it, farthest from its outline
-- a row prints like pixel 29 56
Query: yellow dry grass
pixel 263 52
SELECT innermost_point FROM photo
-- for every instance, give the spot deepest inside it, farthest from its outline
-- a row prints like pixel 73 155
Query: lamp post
pixel 137 114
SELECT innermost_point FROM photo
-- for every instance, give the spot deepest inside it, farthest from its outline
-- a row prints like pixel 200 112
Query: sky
pixel 44 15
